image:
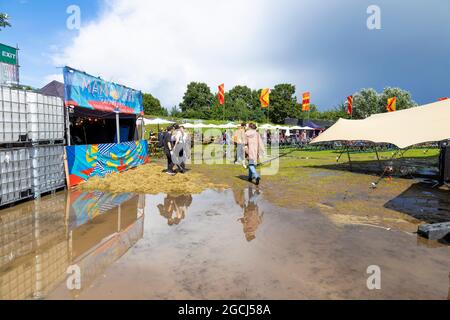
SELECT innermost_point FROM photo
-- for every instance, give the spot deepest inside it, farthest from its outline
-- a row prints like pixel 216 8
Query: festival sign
pixel 86 91
pixel 85 162
pixel 8 55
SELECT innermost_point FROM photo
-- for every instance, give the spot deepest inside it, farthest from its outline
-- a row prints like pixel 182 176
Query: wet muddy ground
pixel 293 237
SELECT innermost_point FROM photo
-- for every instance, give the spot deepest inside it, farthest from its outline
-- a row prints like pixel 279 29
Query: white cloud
pixel 160 46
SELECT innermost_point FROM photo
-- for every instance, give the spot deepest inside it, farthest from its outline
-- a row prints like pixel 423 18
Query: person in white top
pixel 179 147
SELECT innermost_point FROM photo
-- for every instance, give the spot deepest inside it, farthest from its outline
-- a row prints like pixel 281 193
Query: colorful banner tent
pixel 89 161
pixel 403 128
pixel 86 91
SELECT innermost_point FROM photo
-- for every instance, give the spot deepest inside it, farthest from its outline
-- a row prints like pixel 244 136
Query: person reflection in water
pixel 253 218
pixel 175 208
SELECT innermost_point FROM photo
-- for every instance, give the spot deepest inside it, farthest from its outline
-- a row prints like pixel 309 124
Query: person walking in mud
pixel 255 152
pixel 186 144
pixel 239 138
pixel 179 149
pixel 168 149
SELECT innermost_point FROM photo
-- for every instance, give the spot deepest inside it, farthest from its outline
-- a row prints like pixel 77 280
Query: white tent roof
pixel 211 126
pixel 191 126
pixel 403 128
pixel 267 126
pixel 228 126
pixel 156 121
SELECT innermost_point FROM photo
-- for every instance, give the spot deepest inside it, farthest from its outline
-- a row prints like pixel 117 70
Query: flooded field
pixel 236 243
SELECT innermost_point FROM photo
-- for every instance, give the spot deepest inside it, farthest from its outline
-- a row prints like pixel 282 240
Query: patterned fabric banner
pixel 89 161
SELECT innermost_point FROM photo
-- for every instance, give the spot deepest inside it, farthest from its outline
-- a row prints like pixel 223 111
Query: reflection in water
pixel 247 199
pixel 175 208
pixel 39 240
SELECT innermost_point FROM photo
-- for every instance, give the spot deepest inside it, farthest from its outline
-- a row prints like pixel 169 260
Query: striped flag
pixel 392 104
pixel 222 94
pixel 306 104
pixel 265 98
pixel 350 105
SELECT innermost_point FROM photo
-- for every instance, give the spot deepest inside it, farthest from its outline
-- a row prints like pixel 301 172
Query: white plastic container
pixel 13 115
pixel 45 117
pixel 48 169
pixel 15 175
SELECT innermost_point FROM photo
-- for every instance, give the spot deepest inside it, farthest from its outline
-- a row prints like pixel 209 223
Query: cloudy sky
pixel 160 46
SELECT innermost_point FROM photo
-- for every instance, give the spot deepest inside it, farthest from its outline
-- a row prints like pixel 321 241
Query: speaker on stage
pixel 444 163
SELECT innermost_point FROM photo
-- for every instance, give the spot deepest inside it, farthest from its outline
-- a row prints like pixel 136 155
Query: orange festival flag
pixel 306 103
pixel 350 105
pixel 392 104
pixel 222 94
pixel 265 98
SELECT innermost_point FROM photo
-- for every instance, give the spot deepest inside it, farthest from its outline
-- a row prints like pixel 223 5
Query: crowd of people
pixel 249 148
pixel 176 144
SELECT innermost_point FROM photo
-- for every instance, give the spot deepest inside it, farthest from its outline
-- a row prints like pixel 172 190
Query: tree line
pixel 242 104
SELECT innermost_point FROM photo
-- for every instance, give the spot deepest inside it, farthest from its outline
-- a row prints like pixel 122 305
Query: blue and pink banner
pixel 85 162
pixel 86 91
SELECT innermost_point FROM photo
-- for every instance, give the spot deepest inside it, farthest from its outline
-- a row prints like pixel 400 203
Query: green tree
pixel 365 103
pixel 4 21
pixel 368 102
pixel 239 102
pixel 197 101
pixel 283 103
pixel 175 112
pixel 152 106
pixel 257 113
pixel 404 99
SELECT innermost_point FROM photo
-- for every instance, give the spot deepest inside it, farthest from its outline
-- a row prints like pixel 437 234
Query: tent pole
pixel 349 159
pixel 378 158
pixel 143 129
pixel 68 126
pixel 340 155
pixel 118 127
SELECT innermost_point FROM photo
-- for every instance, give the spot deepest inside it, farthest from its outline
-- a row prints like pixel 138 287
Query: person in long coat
pixel 256 150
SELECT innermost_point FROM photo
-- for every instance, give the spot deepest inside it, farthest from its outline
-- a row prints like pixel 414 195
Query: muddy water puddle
pixel 230 244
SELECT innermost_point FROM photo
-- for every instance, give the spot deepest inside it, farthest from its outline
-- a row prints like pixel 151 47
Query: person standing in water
pixel 255 152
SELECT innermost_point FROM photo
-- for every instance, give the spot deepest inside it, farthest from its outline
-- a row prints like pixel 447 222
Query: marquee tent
pixel 402 128
pixel 157 122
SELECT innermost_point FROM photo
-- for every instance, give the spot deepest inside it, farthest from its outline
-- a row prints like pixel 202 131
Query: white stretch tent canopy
pixel 402 128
